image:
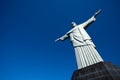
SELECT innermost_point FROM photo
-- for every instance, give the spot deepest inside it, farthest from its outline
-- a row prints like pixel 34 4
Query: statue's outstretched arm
pixel 91 20
pixel 96 13
pixel 62 38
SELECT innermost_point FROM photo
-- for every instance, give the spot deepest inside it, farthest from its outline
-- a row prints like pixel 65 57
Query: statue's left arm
pixel 88 22
pixel 91 20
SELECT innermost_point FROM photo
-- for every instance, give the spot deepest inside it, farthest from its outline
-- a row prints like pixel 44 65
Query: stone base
pixel 98 71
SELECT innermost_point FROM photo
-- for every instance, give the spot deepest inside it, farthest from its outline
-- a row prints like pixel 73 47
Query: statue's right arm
pixel 62 38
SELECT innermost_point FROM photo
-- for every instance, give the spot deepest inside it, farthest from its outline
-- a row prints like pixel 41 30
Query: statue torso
pixel 79 37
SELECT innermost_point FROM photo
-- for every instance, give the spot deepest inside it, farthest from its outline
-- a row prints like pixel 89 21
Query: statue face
pixel 74 24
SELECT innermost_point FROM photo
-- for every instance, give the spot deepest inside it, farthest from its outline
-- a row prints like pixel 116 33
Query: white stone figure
pixel 85 51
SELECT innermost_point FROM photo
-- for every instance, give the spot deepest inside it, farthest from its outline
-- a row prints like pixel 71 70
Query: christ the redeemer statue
pixel 85 51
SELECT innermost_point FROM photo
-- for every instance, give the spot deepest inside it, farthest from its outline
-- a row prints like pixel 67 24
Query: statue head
pixel 74 24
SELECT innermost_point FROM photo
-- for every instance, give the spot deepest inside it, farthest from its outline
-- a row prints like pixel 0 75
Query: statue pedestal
pixel 98 71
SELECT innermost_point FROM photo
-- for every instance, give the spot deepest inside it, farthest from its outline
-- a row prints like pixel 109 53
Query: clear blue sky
pixel 28 29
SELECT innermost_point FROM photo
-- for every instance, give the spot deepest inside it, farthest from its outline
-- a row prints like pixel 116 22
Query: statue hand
pixel 96 13
pixel 57 39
